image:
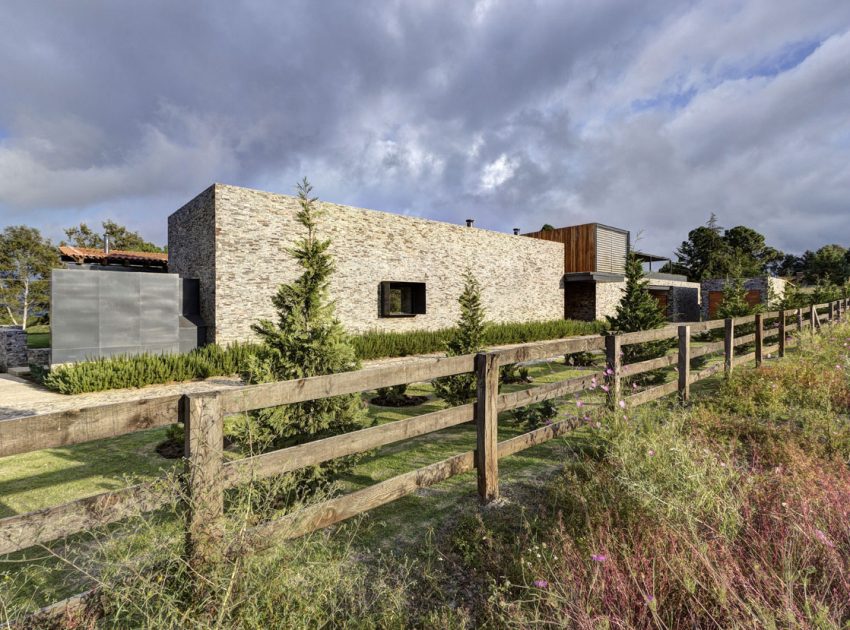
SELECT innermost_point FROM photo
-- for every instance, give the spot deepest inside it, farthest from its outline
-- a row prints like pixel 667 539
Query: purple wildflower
pixel 579 403
pixel 541 583
pixel 622 404
pixel 599 557
pixel 824 539
pixel 606 389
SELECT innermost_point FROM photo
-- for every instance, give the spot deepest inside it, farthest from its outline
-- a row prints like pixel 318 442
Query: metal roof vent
pixel 469 222
pixel 516 231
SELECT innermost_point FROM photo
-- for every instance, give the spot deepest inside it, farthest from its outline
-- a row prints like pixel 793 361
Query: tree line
pixel 712 251
pixel 27 258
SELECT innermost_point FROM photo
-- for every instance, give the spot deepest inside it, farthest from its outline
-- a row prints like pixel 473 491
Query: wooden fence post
pixel 813 316
pixel 204 441
pixel 799 320
pixel 487 424
pixel 759 338
pixel 782 333
pixel 684 363
pixel 613 356
pixel 832 312
pixel 728 346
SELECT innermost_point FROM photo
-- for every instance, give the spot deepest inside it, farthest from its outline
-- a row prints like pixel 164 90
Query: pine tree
pixel 307 340
pixel 734 302
pixel 467 339
pixel 639 310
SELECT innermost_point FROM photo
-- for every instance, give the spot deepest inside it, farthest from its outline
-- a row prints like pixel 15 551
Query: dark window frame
pixel 418 298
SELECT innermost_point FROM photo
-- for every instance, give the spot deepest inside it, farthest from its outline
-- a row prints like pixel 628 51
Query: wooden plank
pixel 744 358
pixel 548 349
pixel 641 367
pixel 712 324
pixel 709 348
pixel 704 373
pixel 533 438
pixel 745 339
pixel 487 426
pixel 728 345
pixel 547 391
pixel 643 336
pixel 614 359
pixel 34 528
pixel 759 339
pixel 319 451
pixel 237 400
pixel 747 319
pixel 204 440
pixel 684 385
pixel 341 508
pixel 783 334
pixel 771 350
pixel 652 393
pixel 85 424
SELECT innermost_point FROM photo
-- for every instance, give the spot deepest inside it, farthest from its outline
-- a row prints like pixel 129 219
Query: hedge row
pixel 150 369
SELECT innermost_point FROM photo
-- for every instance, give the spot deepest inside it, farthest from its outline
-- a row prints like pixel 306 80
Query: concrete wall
pixel 103 313
pixel 13 347
pixel 249 232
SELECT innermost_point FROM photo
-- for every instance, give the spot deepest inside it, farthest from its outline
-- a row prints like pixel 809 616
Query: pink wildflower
pixel 622 404
pixel 606 389
pixel 541 583
pixel 824 539
pixel 599 557
pixel 579 403
pixel 651 452
pixel 609 372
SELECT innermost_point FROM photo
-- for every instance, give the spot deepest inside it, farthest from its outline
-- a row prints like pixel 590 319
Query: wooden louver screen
pixel 610 251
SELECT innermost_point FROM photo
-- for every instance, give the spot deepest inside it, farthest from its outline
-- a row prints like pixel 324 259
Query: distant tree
pixel 467 339
pixel 119 238
pixel 547 227
pixel 829 264
pixel 26 259
pixel 712 252
pixel 788 265
pixel 639 310
pixel 306 340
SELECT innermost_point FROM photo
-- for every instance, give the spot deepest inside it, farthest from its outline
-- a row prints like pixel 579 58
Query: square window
pixel 402 299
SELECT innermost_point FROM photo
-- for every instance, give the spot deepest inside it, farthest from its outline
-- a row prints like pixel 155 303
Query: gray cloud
pixel 644 115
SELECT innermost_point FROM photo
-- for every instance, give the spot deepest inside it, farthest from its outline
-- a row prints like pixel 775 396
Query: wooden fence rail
pixel 208 476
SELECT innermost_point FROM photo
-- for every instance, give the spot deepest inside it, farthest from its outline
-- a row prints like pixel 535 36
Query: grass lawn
pixel 38 336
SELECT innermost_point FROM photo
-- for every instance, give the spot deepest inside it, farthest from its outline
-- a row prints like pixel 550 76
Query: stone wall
pixel 683 298
pixel 608 296
pixel 191 249
pixel 250 232
pixel 13 347
pixel 38 356
pixel 580 301
pixel 772 290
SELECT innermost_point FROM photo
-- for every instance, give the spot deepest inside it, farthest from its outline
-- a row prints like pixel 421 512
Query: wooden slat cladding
pixel 579 245
pixel 611 246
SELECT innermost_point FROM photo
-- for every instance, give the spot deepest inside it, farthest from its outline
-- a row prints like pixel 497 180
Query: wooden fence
pixel 208 476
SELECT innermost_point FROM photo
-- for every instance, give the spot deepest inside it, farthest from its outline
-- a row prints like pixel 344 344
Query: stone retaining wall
pixel 13 347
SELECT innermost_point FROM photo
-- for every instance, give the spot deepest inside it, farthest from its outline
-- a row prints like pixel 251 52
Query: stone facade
pixel 13 347
pixel 235 241
pixel 772 290
pixel 38 356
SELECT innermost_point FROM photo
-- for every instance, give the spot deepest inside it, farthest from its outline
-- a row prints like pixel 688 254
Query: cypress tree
pixel 306 340
pixel 467 339
pixel 639 310
pixel 734 302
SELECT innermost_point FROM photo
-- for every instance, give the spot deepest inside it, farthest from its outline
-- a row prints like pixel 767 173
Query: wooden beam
pixel 237 400
pixel 487 425
pixel 547 391
pixel 759 339
pixel 341 508
pixel 684 385
pixel 652 393
pixel 708 348
pixel 42 526
pixel 614 359
pixel 204 444
pixel 548 349
pixel 85 424
pixel 319 451
pixel 728 346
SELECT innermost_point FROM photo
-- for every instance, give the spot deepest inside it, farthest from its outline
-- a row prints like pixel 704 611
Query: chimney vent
pixel 469 222
pixel 516 231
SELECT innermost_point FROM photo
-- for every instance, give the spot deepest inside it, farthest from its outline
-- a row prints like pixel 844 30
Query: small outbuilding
pixel 763 290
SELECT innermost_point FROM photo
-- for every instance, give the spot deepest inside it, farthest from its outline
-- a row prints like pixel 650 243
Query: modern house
pixel 396 272
pixel 764 290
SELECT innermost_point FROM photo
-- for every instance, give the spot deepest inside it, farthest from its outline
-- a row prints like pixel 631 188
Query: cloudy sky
pixel 644 115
